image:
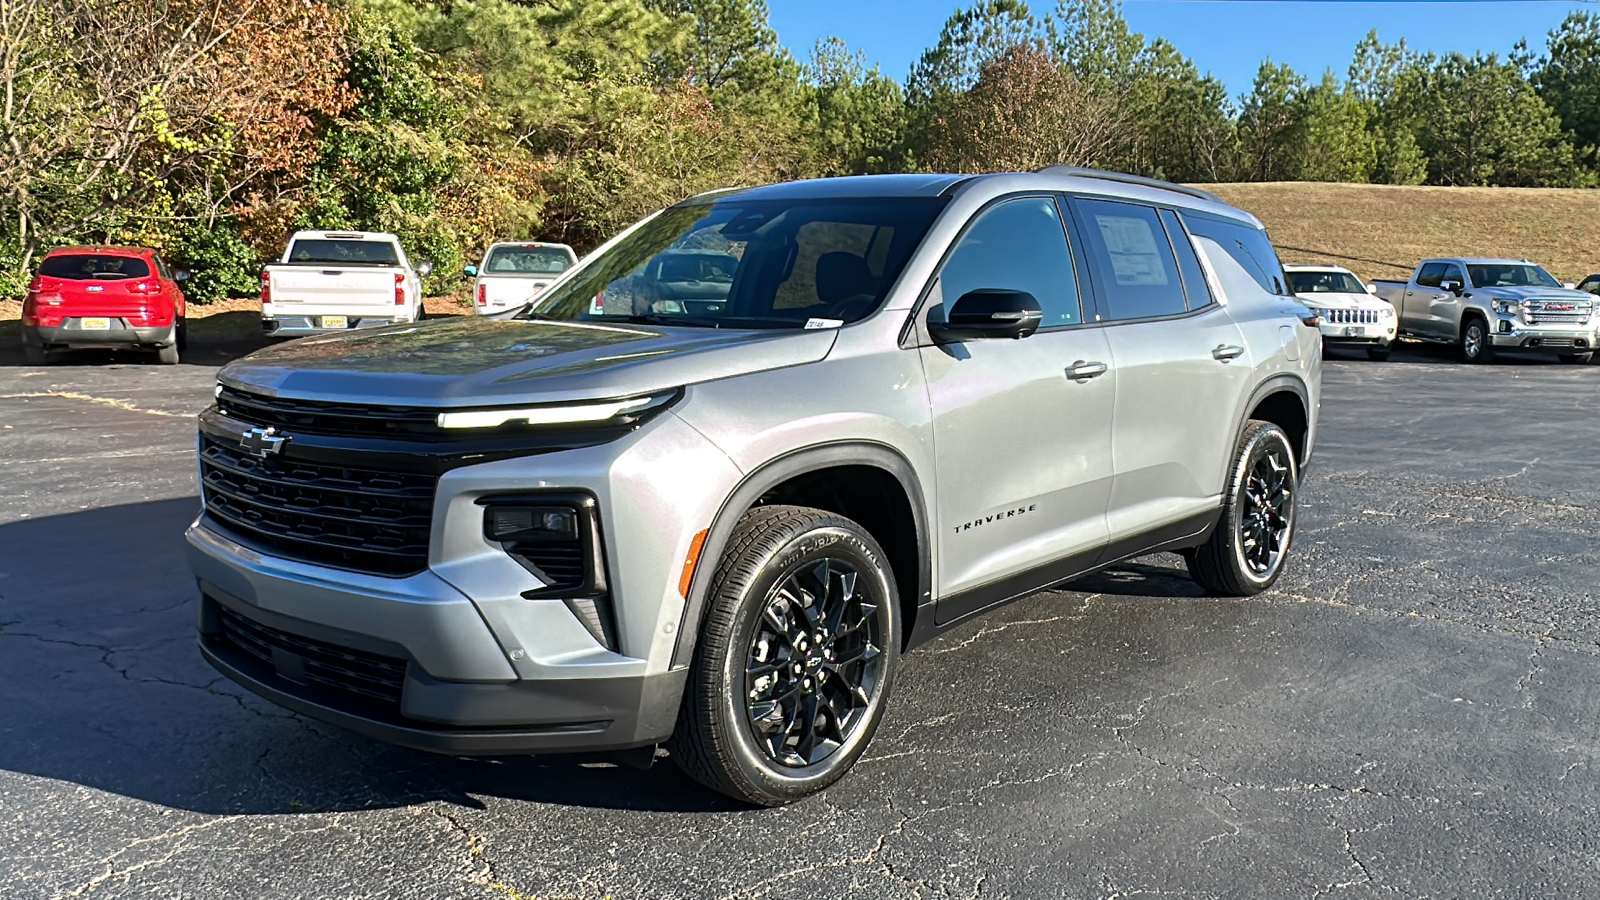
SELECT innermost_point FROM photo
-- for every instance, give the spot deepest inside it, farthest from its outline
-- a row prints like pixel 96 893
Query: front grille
pixel 354 671
pixel 339 419
pixel 1556 312
pixel 1350 316
pixel 350 518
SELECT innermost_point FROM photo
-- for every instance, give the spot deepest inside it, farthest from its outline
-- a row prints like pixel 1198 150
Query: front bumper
pixel 506 718
pixel 1510 334
pixel 300 326
pixel 120 334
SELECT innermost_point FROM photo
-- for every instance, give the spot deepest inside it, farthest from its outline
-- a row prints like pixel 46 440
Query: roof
pixel 101 249
pixel 1325 267
pixel 1051 178
pixel 1480 261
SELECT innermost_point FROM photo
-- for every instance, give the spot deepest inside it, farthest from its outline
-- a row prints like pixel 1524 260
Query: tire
pixel 1476 344
pixel 1378 354
pixel 35 355
pixel 1576 359
pixel 761 752
pixel 1228 563
pixel 167 356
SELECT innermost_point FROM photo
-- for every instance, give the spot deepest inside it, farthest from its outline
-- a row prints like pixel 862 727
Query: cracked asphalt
pixel 1413 710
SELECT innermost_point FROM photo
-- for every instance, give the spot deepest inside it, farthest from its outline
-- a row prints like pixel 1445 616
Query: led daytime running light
pixel 542 415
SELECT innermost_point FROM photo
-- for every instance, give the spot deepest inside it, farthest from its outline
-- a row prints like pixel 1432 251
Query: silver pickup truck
pixel 1487 305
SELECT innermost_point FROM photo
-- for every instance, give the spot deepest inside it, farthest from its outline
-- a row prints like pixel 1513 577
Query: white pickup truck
pixel 330 281
pixel 1488 305
pixel 514 272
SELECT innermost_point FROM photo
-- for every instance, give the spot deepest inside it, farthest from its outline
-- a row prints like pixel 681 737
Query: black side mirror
pixel 988 314
pixel 1451 285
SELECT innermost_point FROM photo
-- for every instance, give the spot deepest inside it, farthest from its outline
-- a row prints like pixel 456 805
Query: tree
pixel 1272 125
pixel 1568 79
pixel 1338 145
pixel 733 52
pixel 1026 111
pixel 859 114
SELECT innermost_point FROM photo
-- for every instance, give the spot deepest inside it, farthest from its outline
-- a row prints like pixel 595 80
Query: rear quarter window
pixel 1247 245
pixel 94 267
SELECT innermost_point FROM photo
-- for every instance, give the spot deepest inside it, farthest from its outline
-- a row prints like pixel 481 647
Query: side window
pixel 1247 245
pixel 1194 279
pixel 1452 272
pixel 1132 259
pixel 1431 275
pixel 1017 245
pixel 1592 285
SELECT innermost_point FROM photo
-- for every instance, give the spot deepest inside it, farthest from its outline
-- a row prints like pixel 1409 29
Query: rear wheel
pixel 1246 552
pixel 795 658
pixel 167 356
pixel 1476 345
pixel 1576 359
pixel 183 333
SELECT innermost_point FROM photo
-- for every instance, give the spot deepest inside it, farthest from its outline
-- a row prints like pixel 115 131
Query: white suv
pixel 1351 315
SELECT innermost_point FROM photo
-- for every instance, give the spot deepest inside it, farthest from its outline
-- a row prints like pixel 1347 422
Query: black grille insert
pixel 370 675
pixel 349 518
pixel 340 419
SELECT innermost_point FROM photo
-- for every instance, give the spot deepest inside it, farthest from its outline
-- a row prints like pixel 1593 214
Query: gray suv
pixel 625 516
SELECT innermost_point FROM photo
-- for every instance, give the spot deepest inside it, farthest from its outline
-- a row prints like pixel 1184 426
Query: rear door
pixel 1022 448
pixel 1181 363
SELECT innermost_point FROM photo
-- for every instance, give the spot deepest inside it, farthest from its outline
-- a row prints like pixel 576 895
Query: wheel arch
pixel 908 555
pixel 1285 401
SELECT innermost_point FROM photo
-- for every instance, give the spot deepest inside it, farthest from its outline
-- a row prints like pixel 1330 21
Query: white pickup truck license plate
pixel 335 322
pixel 95 324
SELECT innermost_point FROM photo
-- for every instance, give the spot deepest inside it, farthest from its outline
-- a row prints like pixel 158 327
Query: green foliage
pixel 220 261
pixel 1568 79
pixel 859 114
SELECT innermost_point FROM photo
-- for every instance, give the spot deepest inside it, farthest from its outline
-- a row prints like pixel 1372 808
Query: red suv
pixel 116 297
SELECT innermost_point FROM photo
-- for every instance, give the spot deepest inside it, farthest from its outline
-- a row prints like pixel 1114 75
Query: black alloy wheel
pixel 1246 551
pixel 795 658
pixel 815 656
pixel 1266 505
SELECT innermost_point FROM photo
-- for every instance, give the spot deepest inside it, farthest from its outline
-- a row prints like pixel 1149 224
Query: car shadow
pixel 214 340
pixel 1425 353
pixel 101 685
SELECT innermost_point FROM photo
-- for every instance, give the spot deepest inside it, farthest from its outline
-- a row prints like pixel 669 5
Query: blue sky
pixel 1228 38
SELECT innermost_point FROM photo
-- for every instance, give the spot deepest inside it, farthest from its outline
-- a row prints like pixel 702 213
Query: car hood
pixel 1329 300
pixel 1533 293
pixel 472 361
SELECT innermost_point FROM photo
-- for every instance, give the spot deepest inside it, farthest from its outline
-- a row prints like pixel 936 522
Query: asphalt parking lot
pixel 1412 711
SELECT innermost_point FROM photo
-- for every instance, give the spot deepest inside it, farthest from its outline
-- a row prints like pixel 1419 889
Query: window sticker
pixel 1135 256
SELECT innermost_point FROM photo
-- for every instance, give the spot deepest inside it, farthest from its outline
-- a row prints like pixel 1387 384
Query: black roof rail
pixel 1103 175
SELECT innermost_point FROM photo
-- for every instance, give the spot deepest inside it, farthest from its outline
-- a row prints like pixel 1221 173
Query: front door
pixel 1022 445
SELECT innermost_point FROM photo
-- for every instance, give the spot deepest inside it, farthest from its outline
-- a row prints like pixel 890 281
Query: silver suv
pixel 629 514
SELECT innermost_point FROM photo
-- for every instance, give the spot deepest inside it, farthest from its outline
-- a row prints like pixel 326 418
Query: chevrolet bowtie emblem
pixel 262 442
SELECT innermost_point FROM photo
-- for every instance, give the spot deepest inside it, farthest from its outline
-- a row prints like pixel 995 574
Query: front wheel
pixel 795 658
pixel 1576 359
pixel 1476 345
pixel 1377 354
pixel 1246 552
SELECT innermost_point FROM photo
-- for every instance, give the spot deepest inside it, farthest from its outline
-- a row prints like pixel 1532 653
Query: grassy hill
pixel 1381 231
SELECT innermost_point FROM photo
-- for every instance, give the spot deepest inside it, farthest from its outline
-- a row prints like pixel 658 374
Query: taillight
pixel 399 290
pixel 266 287
pixel 144 287
pixel 483 295
pixel 30 311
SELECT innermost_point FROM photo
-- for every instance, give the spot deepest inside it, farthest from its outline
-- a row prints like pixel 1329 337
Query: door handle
pixel 1083 370
pixel 1225 352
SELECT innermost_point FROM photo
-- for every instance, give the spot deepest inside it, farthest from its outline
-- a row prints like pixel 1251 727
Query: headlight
pixel 1387 312
pixel 620 412
pixel 1507 307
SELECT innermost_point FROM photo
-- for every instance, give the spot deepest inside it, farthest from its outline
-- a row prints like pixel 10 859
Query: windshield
pixel 86 266
pixel 343 252
pixel 1510 275
pixel 515 260
pixel 1325 283
pixel 749 264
